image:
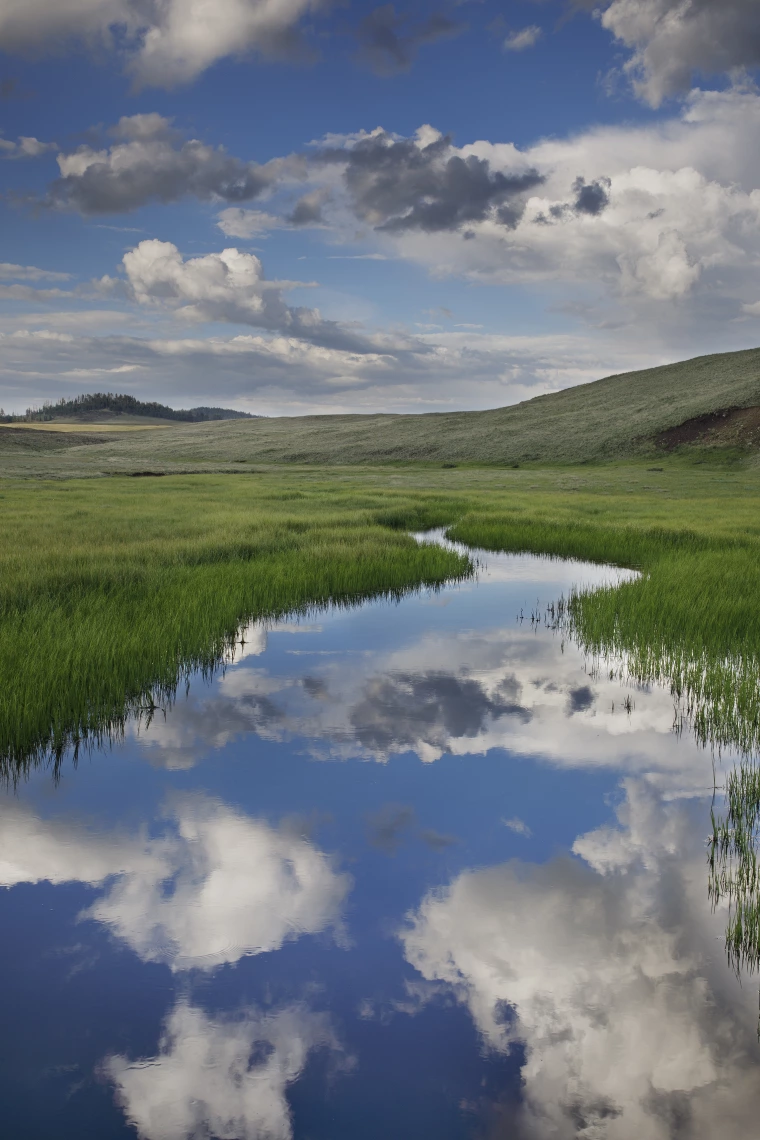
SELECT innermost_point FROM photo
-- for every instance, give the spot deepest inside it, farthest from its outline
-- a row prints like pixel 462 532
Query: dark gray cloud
pixel 591 197
pixel 398 711
pixel 579 699
pixel 388 45
pixel 152 162
pixel 671 41
pixel 307 210
pixel 404 184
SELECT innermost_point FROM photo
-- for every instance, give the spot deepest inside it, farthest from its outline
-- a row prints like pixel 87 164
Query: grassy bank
pixel 112 590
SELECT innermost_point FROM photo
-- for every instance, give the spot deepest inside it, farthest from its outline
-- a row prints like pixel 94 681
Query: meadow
pixel 113 590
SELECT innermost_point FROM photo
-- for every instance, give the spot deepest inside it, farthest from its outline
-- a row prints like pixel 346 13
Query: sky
pixel 292 206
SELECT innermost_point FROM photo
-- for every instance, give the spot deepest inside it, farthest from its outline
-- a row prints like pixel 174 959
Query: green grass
pixel 112 593
pixel 612 418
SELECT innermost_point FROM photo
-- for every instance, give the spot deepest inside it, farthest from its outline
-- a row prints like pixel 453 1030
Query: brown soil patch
pixel 729 427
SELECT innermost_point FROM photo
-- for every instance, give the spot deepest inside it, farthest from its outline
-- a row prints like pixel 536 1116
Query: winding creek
pixel 406 870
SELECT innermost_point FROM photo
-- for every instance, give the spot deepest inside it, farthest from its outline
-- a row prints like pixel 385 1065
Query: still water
pixel 411 870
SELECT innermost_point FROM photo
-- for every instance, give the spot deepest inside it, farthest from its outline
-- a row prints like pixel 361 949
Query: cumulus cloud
pixel 165 44
pixel 149 161
pixel 388 45
pixel 228 286
pixel 525 38
pixel 425 184
pixel 226 1076
pixel 239 886
pixel 646 214
pixel 673 39
pixel 605 971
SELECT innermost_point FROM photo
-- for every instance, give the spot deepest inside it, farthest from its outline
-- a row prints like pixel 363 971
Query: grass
pixel 112 592
pixel 613 418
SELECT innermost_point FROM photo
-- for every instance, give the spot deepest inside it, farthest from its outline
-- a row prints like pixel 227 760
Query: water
pixel 406 871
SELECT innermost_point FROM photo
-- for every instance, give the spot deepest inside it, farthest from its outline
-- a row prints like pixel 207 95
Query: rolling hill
pixel 710 401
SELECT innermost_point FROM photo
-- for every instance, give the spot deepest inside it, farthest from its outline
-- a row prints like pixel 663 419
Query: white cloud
pixel 239 886
pixel 625 1029
pixel 524 38
pixel 11 272
pixel 673 39
pixel 229 286
pixel 225 1077
pixel 168 43
pixel 632 215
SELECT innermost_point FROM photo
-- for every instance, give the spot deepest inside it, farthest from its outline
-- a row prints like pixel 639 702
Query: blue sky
pixel 423 208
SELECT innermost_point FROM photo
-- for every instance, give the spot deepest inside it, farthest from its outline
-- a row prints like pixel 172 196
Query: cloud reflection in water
pixel 216 886
pixel 222 1077
pixel 608 970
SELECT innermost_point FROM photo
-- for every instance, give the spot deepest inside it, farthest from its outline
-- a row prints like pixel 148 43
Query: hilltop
pixel 709 402
pixel 108 407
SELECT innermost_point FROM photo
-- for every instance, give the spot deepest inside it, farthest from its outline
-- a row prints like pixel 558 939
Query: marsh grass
pixel 113 596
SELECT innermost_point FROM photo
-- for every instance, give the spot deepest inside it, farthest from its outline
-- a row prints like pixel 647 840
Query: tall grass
pixel 111 596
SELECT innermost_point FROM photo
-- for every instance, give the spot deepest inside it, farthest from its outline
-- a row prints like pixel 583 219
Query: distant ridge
pixel 89 404
pixel 709 405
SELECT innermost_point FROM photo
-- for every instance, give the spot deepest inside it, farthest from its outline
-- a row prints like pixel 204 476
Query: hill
pixel 707 402
pixel 107 407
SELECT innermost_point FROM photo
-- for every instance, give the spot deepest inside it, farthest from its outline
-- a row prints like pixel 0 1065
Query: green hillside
pixel 708 401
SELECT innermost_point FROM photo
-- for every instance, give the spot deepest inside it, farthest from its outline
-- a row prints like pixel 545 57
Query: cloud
pixel 11 272
pixel 308 210
pixel 424 712
pixel 163 44
pixel 239 886
pixel 228 286
pixel 239 223
pixel 26 147
pixel 634 215
pixel 525 38
pixel 518 826
pixel 282 374
pixel 424 184
pixel 152 162
pixel 604 970
pixel 673 39
pixel 227 1076
pixel 591 197
pixel 387 46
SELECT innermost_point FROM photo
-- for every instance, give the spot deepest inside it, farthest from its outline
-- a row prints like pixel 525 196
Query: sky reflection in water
pixel 406 871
